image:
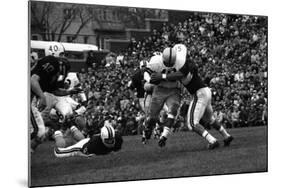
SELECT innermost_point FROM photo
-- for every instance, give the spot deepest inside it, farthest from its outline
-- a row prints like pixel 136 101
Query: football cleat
pixel 162 141
pixel 143 140
pixel 228 140
pixel 213 145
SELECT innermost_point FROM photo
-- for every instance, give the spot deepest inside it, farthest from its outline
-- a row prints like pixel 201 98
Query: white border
pixel 13 166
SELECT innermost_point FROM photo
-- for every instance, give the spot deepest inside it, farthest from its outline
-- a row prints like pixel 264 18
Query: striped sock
pixel 209 137
pixel 223 132
pixel 166 132
pixel 77 134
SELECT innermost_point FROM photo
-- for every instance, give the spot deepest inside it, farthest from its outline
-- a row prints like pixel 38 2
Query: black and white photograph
pixel 123 93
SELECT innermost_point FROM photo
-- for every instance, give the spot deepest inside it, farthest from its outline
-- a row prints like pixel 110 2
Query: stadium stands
pixel 230 50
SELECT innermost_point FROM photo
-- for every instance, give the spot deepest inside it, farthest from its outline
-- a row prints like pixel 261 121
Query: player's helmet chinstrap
pixel 108 136
pixel 169 57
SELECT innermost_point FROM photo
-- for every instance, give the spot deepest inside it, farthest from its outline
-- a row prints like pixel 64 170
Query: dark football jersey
pixel 196 82
pixel 96 146
pixel 138 82
pixel 47 69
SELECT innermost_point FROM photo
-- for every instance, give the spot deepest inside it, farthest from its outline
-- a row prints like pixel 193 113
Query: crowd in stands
pixel 230 51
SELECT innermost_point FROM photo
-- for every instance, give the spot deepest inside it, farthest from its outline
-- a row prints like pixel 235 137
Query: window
pixel 75 55
pixel 34 37
pixel 70 38
pixel 86 39
pixel 104 15
pixel 68 13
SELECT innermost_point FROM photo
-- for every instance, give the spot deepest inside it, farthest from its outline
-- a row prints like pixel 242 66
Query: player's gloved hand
pixel 156 78
pixel 42 103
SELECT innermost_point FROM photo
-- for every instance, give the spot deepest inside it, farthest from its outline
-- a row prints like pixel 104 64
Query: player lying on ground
pixel 200 106
pixel 107 141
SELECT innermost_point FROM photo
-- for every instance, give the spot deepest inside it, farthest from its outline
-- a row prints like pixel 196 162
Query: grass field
pixel 184 155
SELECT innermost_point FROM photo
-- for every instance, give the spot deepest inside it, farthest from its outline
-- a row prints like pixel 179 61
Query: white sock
pixel 166 132
pixel 209 137
pixel 79 144
pixel 223 132
pixel 70 151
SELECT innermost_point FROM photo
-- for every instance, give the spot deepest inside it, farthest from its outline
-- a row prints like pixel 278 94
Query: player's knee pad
pixel 173 109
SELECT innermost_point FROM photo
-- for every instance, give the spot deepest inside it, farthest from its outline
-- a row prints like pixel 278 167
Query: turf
pixel 184 155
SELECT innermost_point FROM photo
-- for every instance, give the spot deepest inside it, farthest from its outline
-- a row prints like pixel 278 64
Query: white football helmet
pixel 169 56
pixel 54 49
pixel 143 63
pixel 108 136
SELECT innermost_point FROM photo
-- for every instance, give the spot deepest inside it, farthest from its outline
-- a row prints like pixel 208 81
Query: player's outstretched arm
pixel 174 76
pixel 36 88
pixel 35 85
pixel 64 92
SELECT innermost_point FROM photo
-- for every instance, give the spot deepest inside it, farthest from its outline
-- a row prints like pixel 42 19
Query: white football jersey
pixel 156 65
pixel 72 79
pixel 181 55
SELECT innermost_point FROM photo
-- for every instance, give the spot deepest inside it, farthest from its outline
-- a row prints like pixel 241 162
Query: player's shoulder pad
pixel 155 63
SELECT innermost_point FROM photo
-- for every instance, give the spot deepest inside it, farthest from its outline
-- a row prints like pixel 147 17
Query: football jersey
pixel 73 80
pixel 138 82
pixel 48 69
pixel 191 80
pixel 156 65
pixel 96 146
pixel 181 56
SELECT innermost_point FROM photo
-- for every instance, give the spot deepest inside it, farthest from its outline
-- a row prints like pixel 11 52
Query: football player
pixel 72 81
pixel 200 107
pixel 47 75
pixel 66 109
pixel 164 92
pixel 137 83
pixel 143 92
pixel 107 141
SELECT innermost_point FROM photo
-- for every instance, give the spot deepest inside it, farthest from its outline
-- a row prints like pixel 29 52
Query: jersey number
pixel 48 67
pixel 178 48
pixel 53 48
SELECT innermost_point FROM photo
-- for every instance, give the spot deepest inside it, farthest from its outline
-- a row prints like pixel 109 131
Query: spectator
pixel 91 60
pixel 230 51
